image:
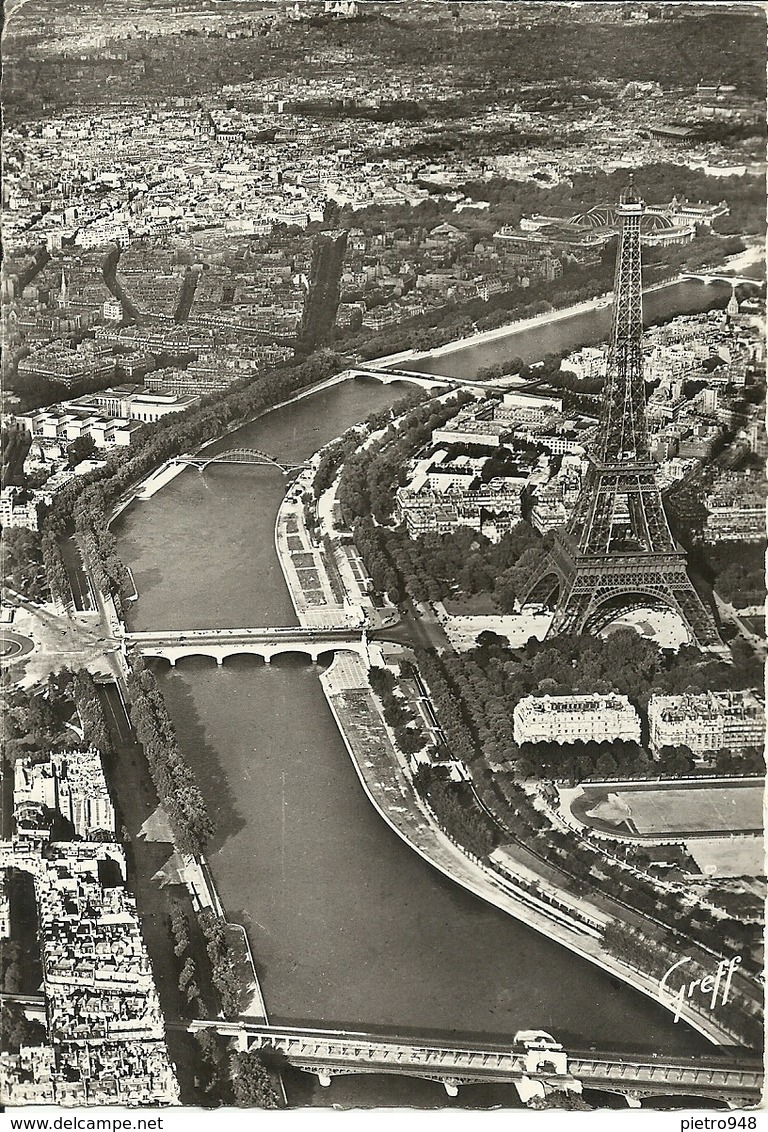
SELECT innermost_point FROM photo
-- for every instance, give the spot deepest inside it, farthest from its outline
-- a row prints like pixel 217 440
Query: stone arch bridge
pixel 219 644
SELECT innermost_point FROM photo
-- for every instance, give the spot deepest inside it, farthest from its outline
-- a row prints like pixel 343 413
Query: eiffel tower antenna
pixel 617 552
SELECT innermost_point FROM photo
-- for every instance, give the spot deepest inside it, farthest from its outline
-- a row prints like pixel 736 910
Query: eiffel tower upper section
pixel 617 553
pixel 623 432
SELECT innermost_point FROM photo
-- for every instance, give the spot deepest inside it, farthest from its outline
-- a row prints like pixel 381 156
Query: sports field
pixel 676 809
pixel 739 855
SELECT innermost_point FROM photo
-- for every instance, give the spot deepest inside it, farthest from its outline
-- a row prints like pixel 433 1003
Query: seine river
pixel 347 925
pixel 585 329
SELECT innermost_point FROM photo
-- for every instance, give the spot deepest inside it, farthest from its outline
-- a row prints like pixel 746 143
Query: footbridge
pixel 535 1068
pixel 174 644
pixel 240 456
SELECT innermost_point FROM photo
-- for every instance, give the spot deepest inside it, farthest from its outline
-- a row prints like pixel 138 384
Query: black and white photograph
pixel 383 530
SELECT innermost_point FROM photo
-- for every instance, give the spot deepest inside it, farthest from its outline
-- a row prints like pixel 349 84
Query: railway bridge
pixel 174 644
pixel 535 1068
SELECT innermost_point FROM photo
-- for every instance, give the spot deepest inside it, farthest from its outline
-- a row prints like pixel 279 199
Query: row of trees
pixel 174 780
pixel 457 810
pixel 451 710
pixel 91 711
pixel 187 977
pixel 369 478
pixel 737 1013
pixel 370 541
pixel 89 515
pixel 12 967
pixel 409 734
pixel 487 714
pixel 333 457
pixel 224 1075
pixel 23 561
pixel 575 762
pixel 225 957
pixel 55 571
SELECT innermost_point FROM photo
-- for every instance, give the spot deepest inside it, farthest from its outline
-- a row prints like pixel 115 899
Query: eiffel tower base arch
pixel 594 590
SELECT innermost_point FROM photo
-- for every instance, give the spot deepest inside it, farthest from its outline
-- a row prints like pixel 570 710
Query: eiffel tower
pixel 617 552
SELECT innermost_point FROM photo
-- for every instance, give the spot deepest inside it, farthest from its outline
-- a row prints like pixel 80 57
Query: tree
pixel 409 739
pixel 17 1030
pixel 250 1082
pixel 22 561
pixel 605 766
pixel 187 973
pixel 80 449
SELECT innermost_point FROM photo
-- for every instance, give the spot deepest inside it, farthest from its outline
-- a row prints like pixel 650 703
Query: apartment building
pixel 18 508
pixel 71 783
pixel 575 719
pixel 711 721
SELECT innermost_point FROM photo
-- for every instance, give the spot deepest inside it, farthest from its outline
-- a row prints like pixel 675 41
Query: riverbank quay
pixel 325 575
pixel 515 327
pixel 389 787
pixel 429 361
pixel 163 863
pixel 317 387
pixel 317 594
pixel 524 893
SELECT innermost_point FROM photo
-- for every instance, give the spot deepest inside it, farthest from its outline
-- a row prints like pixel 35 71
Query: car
pixel 536 1039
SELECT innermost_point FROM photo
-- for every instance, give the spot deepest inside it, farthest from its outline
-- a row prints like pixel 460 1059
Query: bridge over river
pixel 534 1068
pixel 173 644
pixel 252 456
pixel 715 277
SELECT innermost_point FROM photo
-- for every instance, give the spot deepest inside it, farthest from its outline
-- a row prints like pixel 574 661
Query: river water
pixel 571 332
pixel 348 926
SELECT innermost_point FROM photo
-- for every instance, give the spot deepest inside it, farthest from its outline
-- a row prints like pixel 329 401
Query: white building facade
pixel 575 719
